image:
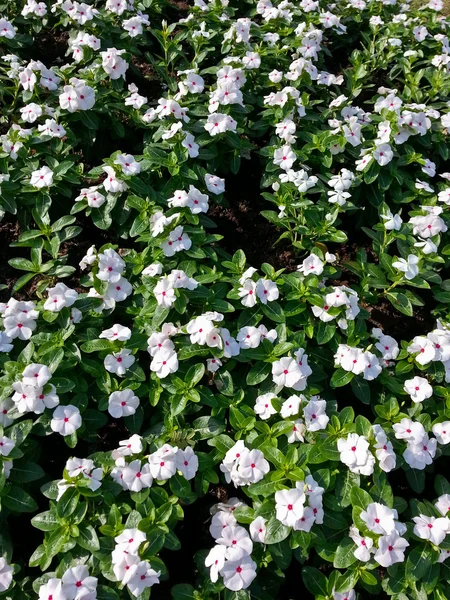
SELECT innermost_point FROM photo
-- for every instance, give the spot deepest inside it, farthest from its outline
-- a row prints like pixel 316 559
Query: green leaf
pixel 359 498
pixel 24 471
pixel 18 500
pixel 275 531
pixel 344 556
pixel 258 373
pixel 183 591
pixel 341 378
pixel 325 332
pixel 420 560
pixel 416 480
pixel 315 581
pixel 400 302
pixel 195 374
pixel 67 503
pixel 88 538
pixel 273 311
pixel 45 521
pixel 361 389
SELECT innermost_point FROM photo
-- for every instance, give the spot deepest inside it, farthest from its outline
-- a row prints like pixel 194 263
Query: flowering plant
pixel 166 390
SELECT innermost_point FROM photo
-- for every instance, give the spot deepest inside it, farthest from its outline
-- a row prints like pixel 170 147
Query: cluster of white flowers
pixel 421 449
pixel 292 372
pixel 384 451
pixel 355 453
pixel 164 290
pixel 389 547
pixel 314 413
pixel 110 268
pixel 301 506
pixel 433 347
pixel 357 361
pixel 251 291
pixel 243 466
pixel 78 469
pixel 75 584
pixel 340 183
pixel 231 556
pixel 161 464
pixel 128 567
pixel 19 321
pixel 60 297
pixel 34 393
pixel 341 296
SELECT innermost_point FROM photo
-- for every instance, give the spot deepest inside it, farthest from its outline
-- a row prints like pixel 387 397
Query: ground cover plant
pixel 225 327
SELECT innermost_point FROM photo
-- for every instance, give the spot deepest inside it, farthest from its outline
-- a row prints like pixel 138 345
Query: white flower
pixel 412 431
pixel 142 577
pixel 130 540
pixel 379 518
pixel 122 404
pixel 391 549
pixel 77 582
pixel 215 184
pixel 215 560
pixel 263 406
pixel 137 476
pixel 119 362
pixel 364 544
pixel 213 364
pixel 418 388
pixel 164 362
pixel 258 529
pixel 311 265
pixel 219 522
pixel 60 297
pixel 383 154
pixel 392 222
pixel 266 290
pixel 289 506
pixel 354 451
pixel 52 589
pixel 253 466
pixel 284 157
pixel 286 372
pixel 116 332
pixel 247 293
pixel 6 445
pixel 290 407
pixel 442 432
pixel 431 528
pixel 249 337
pixel 43 177
pixel 237 542
pixel 66 420
pixel 297 432
pixel 409 267
pixel 31 112
pixel 315 415
pixel 418 456
pixel 128 164
pixel 187 462
pixel 350 595
pixel 36 375
pixel 424 347
pixel 163 463
pixel 239 574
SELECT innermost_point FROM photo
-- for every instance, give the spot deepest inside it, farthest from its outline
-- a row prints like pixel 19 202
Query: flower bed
pixel 225 335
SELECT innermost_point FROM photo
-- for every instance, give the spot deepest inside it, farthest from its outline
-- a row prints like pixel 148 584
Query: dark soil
pixel 50 47
pixel 243 226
